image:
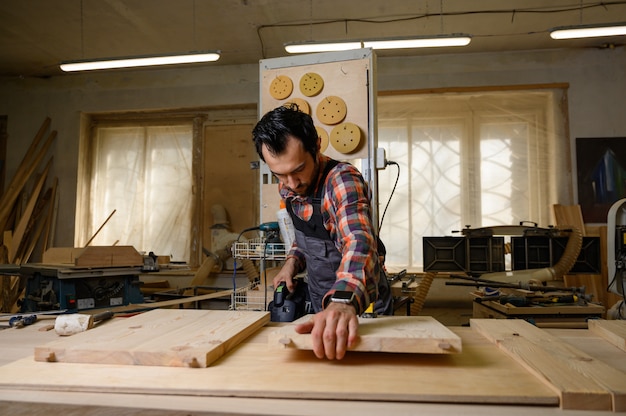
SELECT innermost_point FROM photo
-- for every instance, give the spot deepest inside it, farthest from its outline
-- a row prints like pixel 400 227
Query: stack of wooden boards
pixel 23 224
pixel 581 381
pixel 196 338
pixel 501 362
pixel 161 337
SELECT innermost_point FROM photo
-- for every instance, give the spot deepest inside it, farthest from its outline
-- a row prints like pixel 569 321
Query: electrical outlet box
pixel 381 158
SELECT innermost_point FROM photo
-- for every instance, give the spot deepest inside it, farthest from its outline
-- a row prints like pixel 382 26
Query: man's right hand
pixel 333 330
pixel 286 274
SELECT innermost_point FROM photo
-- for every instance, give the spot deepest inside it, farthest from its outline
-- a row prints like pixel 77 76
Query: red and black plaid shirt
pixel 346 210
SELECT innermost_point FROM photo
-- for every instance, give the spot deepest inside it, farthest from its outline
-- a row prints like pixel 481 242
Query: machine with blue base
pixel 72 289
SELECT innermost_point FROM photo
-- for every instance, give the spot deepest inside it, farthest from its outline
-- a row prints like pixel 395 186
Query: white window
pixel 139 177
pixel 477 159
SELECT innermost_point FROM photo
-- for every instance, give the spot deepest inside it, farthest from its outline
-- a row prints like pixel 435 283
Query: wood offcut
pixel 612 331
pixel 400 334
pixel 162 337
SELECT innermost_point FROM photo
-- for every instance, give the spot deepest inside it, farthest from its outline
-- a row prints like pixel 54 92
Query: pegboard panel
pixel 337 90
pixel 334 94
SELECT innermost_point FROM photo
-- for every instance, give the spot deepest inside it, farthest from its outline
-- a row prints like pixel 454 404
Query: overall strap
pixel 315 226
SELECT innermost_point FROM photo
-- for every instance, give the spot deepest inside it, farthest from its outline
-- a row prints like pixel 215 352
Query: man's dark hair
pixel 278 124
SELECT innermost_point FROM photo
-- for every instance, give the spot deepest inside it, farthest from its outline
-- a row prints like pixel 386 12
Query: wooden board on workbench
pixel 582 382
pixel 161 337
pixel 613 331
pixel 405 334
pixel 481 374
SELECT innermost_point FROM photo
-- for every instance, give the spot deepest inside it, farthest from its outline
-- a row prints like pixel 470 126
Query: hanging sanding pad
pixel 321 133
pixel 331 110
pixel 281 87
pixel 302 105
pixel 346 137
pixel 311 84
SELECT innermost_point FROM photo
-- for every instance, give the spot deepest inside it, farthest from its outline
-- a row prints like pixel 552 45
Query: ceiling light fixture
pixel 425 42
pixel 397 43
pixel 311 47
pixel 588 31
pixel 140 61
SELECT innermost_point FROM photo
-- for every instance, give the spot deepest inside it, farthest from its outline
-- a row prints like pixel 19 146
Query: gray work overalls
pixel 322 257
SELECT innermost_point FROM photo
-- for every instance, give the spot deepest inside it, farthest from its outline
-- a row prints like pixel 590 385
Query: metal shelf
pixel 259 249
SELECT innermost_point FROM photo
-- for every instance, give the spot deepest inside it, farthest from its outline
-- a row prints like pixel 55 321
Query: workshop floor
pixel 450 305
pixel 449 316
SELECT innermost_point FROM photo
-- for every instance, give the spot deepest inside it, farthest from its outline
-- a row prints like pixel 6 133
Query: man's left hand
pixel 333 330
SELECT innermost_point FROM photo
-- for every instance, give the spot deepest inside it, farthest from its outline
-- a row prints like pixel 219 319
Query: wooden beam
pixel 20 230
pixel 19 180
pixel 582 382
pixel 613 331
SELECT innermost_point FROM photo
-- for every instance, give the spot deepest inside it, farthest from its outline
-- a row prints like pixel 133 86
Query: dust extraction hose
pixel 556 272
pixel 422 291
pixel 250 270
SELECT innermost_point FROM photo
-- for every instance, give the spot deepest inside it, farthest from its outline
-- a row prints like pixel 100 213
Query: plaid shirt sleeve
pixel 347 217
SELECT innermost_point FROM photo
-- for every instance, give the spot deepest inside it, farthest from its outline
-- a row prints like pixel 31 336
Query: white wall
pixel 596 97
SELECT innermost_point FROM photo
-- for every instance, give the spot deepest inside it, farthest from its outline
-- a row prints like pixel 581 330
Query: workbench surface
pixel 254 379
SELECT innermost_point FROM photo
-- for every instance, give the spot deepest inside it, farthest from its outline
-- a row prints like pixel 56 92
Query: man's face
pixel 294 168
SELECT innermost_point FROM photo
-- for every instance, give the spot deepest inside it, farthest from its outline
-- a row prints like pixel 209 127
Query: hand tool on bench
pixel 74 323
pixel 21 321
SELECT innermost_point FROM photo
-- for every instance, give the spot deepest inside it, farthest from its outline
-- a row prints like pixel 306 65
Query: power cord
pixel 387 163
pixel 235 266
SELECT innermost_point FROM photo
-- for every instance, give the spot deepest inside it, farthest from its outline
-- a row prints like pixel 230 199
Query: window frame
pixel 561 191
pixel 89 125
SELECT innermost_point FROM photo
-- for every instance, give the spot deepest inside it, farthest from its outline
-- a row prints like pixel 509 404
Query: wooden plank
pixel 61 255
pixel 38 222
pixel 15 187
pixel 563 310
pixel 612 331
pixel 480 374
pixel 569 215
pixel 162 337
pixel 405 334
pixel 143 307
pixel 108 256
pixel 20 229
pixel 582 382
pixel 595 284
pixel 18 182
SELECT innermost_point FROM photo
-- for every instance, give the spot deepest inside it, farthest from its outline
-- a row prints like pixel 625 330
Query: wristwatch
pixel 346 297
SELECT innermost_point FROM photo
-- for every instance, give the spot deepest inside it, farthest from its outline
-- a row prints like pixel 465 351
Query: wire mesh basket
pixel 249 298
pixel 253 297
pixel 258 249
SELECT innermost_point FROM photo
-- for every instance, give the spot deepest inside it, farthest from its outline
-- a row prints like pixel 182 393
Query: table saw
pixel 73 289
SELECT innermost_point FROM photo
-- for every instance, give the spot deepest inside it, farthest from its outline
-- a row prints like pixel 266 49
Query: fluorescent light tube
pixel 588 31
pixel 399 43
pixel 434 42
pixel 132 62
pixel 311 47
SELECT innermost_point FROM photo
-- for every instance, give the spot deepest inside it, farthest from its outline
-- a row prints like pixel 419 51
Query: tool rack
pixel 251 296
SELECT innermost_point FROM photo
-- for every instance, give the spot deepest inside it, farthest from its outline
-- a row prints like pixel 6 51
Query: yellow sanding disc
pixel 323 138
pixel 311 84
pixel 331 110
pixel 302 105
pixel 281 87
pixel 345 138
